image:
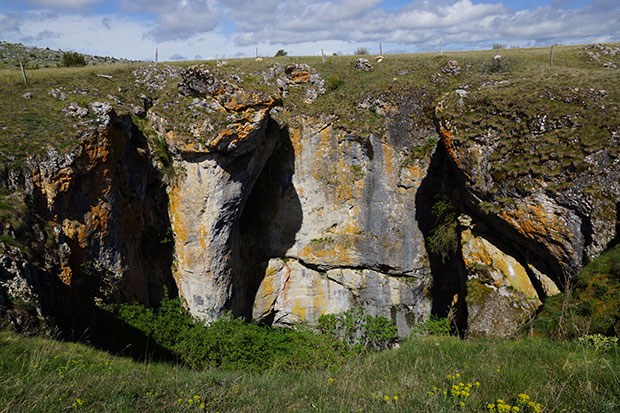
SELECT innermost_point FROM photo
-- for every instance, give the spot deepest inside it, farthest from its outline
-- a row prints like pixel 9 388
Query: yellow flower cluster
pixel 457 392
pixel 522 404
pixel 193 401
pixel 385 398
pixel 78 402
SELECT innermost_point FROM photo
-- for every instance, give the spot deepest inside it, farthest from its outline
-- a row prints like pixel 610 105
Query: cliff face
pixel 455 199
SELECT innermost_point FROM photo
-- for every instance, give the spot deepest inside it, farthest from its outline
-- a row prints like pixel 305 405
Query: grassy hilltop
pixel 29 125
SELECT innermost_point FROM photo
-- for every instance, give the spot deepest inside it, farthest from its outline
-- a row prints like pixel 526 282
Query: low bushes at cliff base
pixel 234 344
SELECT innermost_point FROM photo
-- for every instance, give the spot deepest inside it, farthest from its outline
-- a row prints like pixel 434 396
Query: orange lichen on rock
pixel 446 140
pixel 66 275
pixel 536 223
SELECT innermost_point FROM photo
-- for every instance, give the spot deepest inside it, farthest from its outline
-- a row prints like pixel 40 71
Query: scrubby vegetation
pixel 427 374
pixel 593 307
pixel 230 343
pixel 73 59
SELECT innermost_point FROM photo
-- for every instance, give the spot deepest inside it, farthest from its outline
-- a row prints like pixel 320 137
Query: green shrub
pixel 333 82
pixel 362 50
pixel 593 307
pixel 432 326
pixel 357 330
pixel 234 344
pixel 281 52
pixel 599 342
pixel 443 239
pixel 496 65
pixel 73 59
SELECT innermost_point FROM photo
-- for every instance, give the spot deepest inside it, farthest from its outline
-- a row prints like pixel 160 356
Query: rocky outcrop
pixel 523 175
pixel 291 293
pixel 105 200
pixel 500 295
pixel 249 203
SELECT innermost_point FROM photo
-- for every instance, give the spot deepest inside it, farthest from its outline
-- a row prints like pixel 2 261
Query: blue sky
pixel 190 29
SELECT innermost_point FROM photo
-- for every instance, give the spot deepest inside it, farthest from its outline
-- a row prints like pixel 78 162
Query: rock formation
pixel 454 206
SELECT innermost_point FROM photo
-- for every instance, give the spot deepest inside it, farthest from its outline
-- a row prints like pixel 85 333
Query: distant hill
pixel 36 57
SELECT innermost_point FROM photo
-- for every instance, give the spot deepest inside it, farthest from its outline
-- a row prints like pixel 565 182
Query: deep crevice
pixel 269 222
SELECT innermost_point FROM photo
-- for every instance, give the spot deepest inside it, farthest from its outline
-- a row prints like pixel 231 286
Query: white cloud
pixel 63 4
pixel 9 22
pixel 236 27
pixel 178 19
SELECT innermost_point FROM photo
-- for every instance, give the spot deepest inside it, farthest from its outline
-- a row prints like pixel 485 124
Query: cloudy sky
pixel 197 29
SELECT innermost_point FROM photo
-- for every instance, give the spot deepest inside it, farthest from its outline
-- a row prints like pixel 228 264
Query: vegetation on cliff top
pixel 29 125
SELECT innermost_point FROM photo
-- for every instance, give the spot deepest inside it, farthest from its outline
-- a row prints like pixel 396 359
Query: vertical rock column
pixel 208 197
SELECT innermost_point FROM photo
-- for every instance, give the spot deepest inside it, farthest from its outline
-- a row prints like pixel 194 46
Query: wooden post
pixel 257 52
pixel 23 72
pixel 551 57
pixel 156 54
pixel 441 47
pixel 322 55
pixel 380 49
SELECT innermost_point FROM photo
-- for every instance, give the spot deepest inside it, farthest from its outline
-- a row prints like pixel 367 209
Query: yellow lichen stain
pixel 388 161
pixel 296 141
pixel 180 230
pixel 66 274
pixel 339 250
pixel 477 250
pixel 299 311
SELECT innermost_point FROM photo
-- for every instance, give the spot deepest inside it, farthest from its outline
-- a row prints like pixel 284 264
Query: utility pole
pixel 323 56
pixel 257 52
pixel 156 54
pixel 441 47
pixel 380 49
pixel 23 72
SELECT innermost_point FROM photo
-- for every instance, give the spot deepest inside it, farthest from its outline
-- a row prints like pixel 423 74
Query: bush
pixel 333 82
pixel 73 59
pixel 281 52
pixel 443 240
pixel 355 329
pixel 433 326
pixel 361 50
pixel 234 344
pixel 599 342
pixel 496 65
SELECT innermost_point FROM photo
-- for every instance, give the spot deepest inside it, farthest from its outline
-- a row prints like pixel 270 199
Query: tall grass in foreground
pixel 43 375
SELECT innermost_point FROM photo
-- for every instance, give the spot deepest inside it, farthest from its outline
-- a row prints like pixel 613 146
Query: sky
pixel 207 29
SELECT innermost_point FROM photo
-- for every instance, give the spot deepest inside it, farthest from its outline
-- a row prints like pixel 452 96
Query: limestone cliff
pixel 277 196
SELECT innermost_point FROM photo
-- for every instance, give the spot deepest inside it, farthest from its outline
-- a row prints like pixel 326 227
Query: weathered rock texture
pixel 454 204
pixel 103 207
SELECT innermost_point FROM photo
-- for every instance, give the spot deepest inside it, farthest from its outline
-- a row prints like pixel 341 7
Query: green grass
pixel 41 375
pixel 593 307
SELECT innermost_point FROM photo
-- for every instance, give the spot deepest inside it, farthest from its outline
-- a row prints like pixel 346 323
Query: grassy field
pixel 38 374
pixel 29 126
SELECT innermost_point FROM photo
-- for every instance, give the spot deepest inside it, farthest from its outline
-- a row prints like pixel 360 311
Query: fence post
pixel 441 47
pixel 380 49
pixel 23 72
pixel 156 54
pixel 322 56
pixel 551 57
